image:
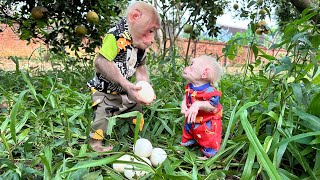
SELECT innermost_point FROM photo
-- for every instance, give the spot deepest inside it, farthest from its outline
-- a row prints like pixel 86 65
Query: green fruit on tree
pixel 187 28
pixel 81 30
pixel 259 2
pixel 262 12
pixel 38 12
pixel 259 31
pixel 92 17
pixel 258 24
pixel 235 6
pixel 263 23
pixel 266 30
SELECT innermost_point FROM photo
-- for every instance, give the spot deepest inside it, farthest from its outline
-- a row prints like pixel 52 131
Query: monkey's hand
pixel 192 112
pixel 132 91
pixel 184 108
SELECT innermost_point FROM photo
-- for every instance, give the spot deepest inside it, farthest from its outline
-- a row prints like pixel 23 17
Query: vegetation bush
pixel 271 122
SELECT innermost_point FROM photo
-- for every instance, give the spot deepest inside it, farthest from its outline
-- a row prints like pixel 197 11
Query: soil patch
pixel 9 65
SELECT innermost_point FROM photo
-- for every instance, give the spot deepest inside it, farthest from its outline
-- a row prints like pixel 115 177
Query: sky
pixel 228 19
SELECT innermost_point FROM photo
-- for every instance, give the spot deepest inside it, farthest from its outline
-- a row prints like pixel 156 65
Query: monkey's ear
pixel 205 73
pixel 134 15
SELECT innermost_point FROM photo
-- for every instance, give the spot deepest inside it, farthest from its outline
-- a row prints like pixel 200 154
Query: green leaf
pixel 94 163
pixel 273 115
pixel 220 153
pixel 96 175
pixel 111 122
pixel 317 161
pixel 137 127
pixel 306 17
pixel 194 172
pixel 47 161
pixel 293 138
pixel 14 113
pixel 229 127
pixel 297 91
pixel 287 175
pixel 261 154
pixel 23 135
pixel 164 124
pixel 267 56
pixel 255 51
pixel 30 86
pixel 308 120
pixel 247 170
pixel 316 80
pixel 301 159
pixel 267 143
pixel 314 106
pixel 4 125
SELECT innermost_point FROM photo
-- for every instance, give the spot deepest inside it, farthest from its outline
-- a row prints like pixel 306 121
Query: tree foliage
pixel 57 27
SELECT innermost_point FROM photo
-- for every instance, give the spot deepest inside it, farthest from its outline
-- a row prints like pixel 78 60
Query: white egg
pixel 147 92
pixel 129 172
pixel 146 160
pixel 132 172
pixel 119 167
pixel 142 148
pixel 158 155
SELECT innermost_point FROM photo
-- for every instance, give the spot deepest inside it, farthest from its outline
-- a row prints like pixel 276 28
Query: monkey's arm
pixel 184 107
pixel 195 107
pixel 110 71
pixel 142 73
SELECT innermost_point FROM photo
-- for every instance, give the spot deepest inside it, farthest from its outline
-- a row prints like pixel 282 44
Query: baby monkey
pixel 201 105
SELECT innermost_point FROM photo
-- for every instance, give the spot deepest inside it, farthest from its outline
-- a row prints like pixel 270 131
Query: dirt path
pixel 8 64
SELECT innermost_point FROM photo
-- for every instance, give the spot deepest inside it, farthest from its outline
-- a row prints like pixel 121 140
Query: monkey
pixel 121 56
pixel 201 105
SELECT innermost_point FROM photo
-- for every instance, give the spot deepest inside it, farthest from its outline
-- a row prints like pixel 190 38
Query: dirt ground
pixel 8 65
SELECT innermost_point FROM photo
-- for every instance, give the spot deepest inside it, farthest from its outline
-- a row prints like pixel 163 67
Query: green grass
pixel 45 128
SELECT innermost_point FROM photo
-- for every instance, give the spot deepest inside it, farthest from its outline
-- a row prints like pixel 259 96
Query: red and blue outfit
pixel 207 130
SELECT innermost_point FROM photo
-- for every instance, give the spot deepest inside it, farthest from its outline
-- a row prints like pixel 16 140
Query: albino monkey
pixel 201 105
pixel 122 55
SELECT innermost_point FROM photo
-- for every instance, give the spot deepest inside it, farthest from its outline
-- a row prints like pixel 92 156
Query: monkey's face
pixel 143 28
pixel 194 71
pixel 143 35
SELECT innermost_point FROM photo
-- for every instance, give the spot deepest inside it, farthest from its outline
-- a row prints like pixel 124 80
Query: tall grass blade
pixel 94 163
pixel 247 170
pixel 294 138
pixel 263 157
pixel 30 86
pixel 6 145
pixel 169 130
pixel 230 125
pixel 137 127
pixel 194 172
pixel 299 157
pixel 112 120
pixel 46 158
pixel 210 161
pixel 287 175
pixel 317 162
pixel 229 159
pixel 308 120
pixel 14 113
